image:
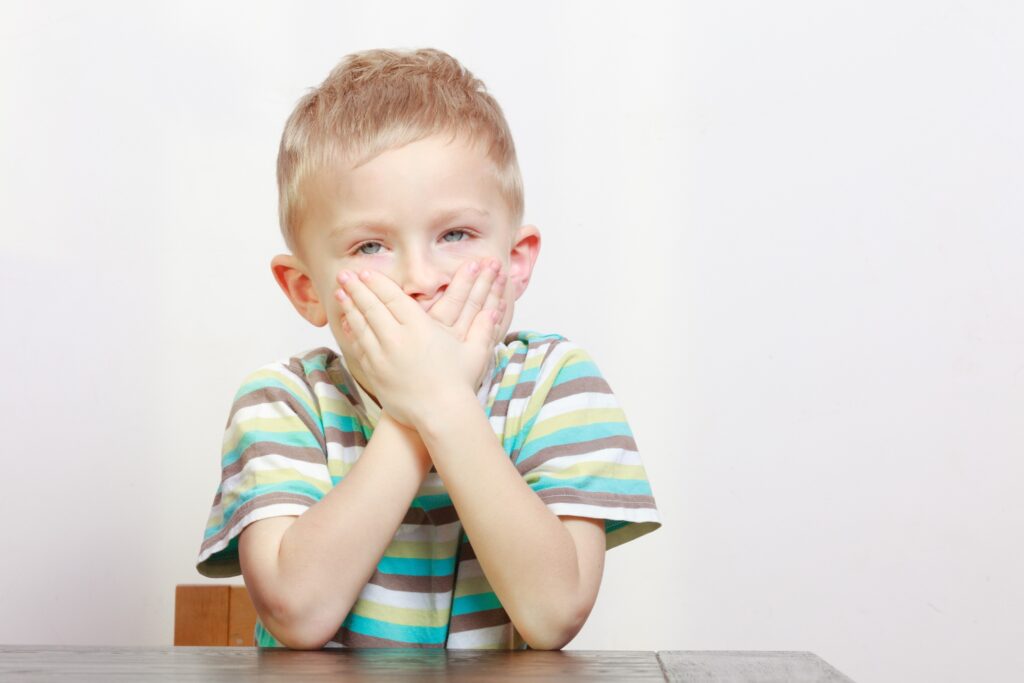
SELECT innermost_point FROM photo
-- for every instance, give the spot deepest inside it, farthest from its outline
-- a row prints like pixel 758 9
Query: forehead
pixel 407 185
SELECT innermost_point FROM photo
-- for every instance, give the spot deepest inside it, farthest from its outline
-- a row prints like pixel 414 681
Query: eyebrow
pixel 439 217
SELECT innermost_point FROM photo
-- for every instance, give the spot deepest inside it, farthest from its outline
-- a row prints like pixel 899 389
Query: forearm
pixel 525 551
pixel 330 552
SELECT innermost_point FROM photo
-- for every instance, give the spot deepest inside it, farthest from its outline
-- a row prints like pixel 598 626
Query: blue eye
pixel 455 232
pixel 372 248
pixel 368 244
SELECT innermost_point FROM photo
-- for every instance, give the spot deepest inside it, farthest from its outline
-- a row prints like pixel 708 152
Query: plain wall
pixel 790 234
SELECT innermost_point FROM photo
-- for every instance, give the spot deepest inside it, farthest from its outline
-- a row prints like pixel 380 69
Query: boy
pixel 436 483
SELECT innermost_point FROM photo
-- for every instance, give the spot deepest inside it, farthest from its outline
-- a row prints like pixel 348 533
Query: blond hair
pixel 376 100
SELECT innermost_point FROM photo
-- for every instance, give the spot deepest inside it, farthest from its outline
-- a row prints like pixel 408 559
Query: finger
pixel 496 297
pixel 358 329
pixel 482 329
pixel 446 310
pixel 499 328
pixel 378 317
pixel 496 300
pixel 400 306
pixel 477 297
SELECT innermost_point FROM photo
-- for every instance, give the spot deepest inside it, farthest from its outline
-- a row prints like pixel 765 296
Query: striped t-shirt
pixel 298 425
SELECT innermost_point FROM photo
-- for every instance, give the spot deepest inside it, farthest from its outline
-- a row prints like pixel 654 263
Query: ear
pixel 290 274
pixel 522 257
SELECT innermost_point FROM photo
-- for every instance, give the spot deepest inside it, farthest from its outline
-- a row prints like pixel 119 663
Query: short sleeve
pixel 273 462
pixel 576 450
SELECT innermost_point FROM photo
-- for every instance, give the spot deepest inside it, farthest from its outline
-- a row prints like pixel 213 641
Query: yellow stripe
pixel 572 419
pixel 421 550
pixel 542 389
pixel 286 423
pixel 400 615
pixel 473 586
pixel 252 479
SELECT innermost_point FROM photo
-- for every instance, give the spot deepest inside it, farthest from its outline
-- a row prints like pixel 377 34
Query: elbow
pixel 554 633
pixel 299 629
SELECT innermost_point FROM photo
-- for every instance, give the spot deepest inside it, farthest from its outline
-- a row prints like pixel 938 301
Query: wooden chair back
pixel 213 615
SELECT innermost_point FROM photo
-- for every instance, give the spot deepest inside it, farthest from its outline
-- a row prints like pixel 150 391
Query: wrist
pixel 408 436
pixel 443 411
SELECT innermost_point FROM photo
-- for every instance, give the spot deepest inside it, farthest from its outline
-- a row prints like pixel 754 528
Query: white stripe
pixel 470 569
pixel 269 410
pixel 487 637
pixel 281 368
pixel 555 361
pixel 578 401
pixel 406 599
pixel 445 533
pixel 275 462
pixel 598 511
pixel 265 512
pixel 617 456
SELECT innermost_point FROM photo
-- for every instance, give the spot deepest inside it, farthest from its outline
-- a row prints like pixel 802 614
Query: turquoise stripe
pixel 317 362
pixel 300 439
pixel 400 632
pixel 263 637
pixel 628 487
pixel 344 423
pixel 568 372
pixel 572 435
pixel 429 503
pixel 294 486
pixel 467 604
pixel 416 566
pixel 515 441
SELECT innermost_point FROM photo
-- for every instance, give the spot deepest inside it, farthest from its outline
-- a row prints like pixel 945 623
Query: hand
pixel 411 359
pixel 477 285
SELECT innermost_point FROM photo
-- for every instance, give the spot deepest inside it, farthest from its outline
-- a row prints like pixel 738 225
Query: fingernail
pixel 340 295
pixel 343 277
pixel 364 275
pixel 474 267
pixel 495 264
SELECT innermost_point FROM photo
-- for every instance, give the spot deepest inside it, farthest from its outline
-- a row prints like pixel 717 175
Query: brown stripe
pixel 571 495
pixel 413 584
pixel 552 345
pixel 295 364
pixel 626 443
pixel 466 552
pixel 318 351
pixel 499 408
pixel 343 381
pixel 475 620
pixel 437 517
pixel 346 439
pixel 256 503
pixel 350 638
pixel 580 385
pixel 261 448
pixel 275 394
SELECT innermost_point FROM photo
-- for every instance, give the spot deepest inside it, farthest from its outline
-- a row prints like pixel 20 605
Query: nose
pixel 421 277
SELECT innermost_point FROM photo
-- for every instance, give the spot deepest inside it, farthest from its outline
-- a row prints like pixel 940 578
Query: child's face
pixel 416 214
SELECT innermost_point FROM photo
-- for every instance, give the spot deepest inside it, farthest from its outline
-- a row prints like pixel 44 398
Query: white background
pixel 789 233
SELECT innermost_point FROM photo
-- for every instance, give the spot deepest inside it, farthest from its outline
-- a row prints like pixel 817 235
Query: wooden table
pixel 83 663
